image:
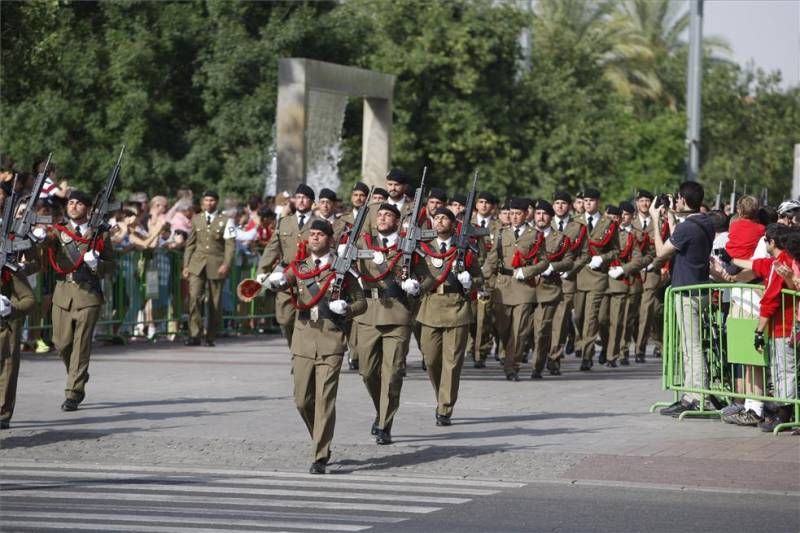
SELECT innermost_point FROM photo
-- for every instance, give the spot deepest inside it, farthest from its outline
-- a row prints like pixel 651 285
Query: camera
pixel 665 200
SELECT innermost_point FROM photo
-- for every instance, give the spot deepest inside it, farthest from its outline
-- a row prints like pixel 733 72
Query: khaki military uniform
pixel 384 330
pixel 593 284
pixel 648 321
pixel 77 299
pixel 564 330
pixel 481 339
pixel 317 349
pixel 15 287
pixel 514 299
pixel 279 252
pixel 548 297
pixel 208 248
pixel 445 315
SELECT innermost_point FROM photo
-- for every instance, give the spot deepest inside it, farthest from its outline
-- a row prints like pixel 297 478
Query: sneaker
pixel 768 424
pixel 732 409
pixel 678 407
pixel 743 418
pixel 41 346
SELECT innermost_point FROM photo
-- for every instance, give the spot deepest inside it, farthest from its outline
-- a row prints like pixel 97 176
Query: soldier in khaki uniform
pixel 318 344
pixel 518 256
pixel 649 322
pixel 598 250
pixel 397 184
pixel 548 290
pixel 445 312
pixel 565 335
pixel 621 273
pixel 207 260
pixel 357 198
pixel 78 295
pixel 636 286
pixel 384 330
pixel 16 300
pixel 282 248
pixel 482 306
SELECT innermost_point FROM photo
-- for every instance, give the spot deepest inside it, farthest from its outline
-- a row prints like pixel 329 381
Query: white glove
pixel 596 262
pixel 615 272
pixel 518 274
pixel 465 280
pixel 564 275
pixel 338 306
pixel 411 286
pixel 5 306
pixel 262 278
pixel 91 258
pixel 548 271
pixel 650 267
pixel 340 249
pixel 38 235
pixel 276 279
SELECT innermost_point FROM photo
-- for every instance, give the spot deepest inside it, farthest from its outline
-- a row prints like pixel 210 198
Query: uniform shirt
pixel 561 223
pixel 323 259
pixel 595 219
pixel 479 219
pixel 83 228
pixel 440 241
pixel 390 239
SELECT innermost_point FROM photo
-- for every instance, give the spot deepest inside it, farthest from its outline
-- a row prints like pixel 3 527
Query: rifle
pixel 344 262
pixel 29 217
pixel 102 205
pixel 733 198
pixel 408 244
pixel 467 231
pixel 9 246
pixel 718 201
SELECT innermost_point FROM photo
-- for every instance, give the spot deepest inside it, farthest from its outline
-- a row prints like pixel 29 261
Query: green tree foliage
pixel 191 88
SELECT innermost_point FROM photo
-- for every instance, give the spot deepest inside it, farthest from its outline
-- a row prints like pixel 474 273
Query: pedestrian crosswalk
pixel 37 496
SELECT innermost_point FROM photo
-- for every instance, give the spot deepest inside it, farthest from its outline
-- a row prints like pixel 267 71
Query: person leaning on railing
pixel 689 246
pixel 776 318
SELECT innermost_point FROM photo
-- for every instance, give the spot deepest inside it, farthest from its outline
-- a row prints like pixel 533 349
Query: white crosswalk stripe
pixel 37 496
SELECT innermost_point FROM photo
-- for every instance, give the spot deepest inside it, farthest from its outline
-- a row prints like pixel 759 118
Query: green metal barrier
pixel 709 353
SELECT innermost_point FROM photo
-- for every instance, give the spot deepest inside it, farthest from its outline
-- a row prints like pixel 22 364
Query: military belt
pixel 379 292
pixel 448 289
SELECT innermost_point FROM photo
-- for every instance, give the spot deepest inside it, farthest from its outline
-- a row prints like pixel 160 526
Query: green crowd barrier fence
pixel 147 298
pixel 709 352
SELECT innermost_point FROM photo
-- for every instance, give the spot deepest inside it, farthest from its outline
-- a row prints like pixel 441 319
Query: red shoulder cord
pixel 389 267
pixel 594 245
pixel 520 259
pixel 51 254
pixel 308 275
pixel 565 245
pixel 6 276
pixel 579 240
pixel 449 257
pixel 645 243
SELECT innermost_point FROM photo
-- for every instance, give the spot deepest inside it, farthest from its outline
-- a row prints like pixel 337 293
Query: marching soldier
pixel 384 330
pixel 16 300
pixel 397 183
pixel 482 306
pixel 517 257
pixel 445 312
pixel 318 342
pixel 326 210
pixel 597 251
pixel 636 286
pixel 78 294
pixel 282 249
pixel 565 334
pixel 548 291
pixel 655 274
pixel 207 261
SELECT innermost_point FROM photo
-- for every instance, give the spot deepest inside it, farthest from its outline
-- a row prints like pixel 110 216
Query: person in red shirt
pixel 777 313
pixel 745 231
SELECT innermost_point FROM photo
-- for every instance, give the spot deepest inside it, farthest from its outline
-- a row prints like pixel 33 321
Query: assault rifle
pixel 9 246
pixel 408 244
pixel 29 218
pixel 102 206
pixel 344 261
pixel 466 233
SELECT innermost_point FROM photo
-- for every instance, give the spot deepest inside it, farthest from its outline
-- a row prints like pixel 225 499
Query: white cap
pixel 787 207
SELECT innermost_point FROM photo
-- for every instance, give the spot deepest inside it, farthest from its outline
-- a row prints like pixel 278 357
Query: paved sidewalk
pixel 231 406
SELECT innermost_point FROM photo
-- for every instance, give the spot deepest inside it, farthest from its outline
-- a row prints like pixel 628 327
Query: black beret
pixel 518 203
pixel 380 191
pixel 627 207
pixel 80 196
pixel 398 175
pixel 644 194
pixel 327 193
pixel 591 193
pixel 544 205
pixel 563 196
pixel 324 226
pixel 361 186
pixel 438 193
pixel 446 212
pixel 212 194
pixel 611 209
pixel 531 202
pixel 385 206
pixel 459 198
pixel 489 197
pixel 305 190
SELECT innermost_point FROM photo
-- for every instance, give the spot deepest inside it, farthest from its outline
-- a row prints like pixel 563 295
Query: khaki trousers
pixel 562 324
pixel 198 285
pixel 617 305
pixel 483 328
pixel 381 354
pixel 72 335
pixel 10 337
pixel 587 317
pixel 632 320
pixel 316 382
pixel 514 324
pixel 543 333
pixel 648 313
pixel 443 352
